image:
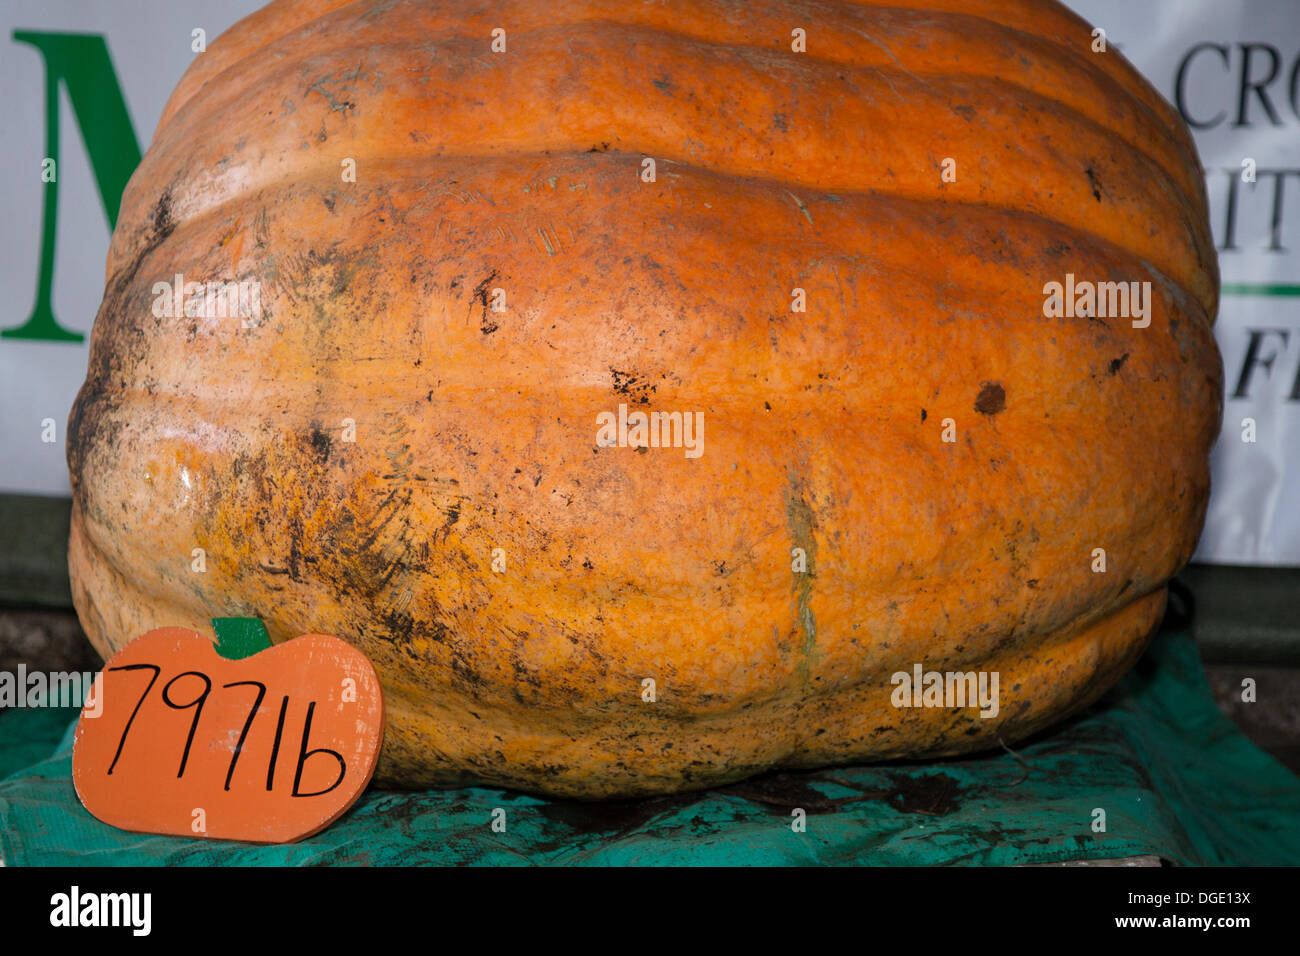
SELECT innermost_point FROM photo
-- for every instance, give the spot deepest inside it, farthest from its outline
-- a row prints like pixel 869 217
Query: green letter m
pixel 81 62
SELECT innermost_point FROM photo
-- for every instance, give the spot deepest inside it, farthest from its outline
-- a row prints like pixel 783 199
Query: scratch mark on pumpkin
pixel 890 52
pixel 800 203
pixel 888 82
pixel 840 288
pixel 550 250
pixel 336 106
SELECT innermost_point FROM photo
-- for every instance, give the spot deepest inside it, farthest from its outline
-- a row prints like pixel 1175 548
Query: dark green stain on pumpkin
pixel 802 527
pixel 240 637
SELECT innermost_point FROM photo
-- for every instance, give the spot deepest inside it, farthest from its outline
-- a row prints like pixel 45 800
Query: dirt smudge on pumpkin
pixel 1117 364
pixel 487 325
pixel 320 441
pixel 290 506
pixel 400 624
pixel 119 342
pixel 633 386
pixel 94 428
pixel 991 399
pixel 119 346
pixel 1094 182
pixel 162 216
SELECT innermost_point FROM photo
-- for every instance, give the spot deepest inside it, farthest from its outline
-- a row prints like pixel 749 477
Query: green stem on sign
pixel 240 637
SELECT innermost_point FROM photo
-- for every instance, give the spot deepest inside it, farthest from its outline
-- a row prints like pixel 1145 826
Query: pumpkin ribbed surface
pixel 475 429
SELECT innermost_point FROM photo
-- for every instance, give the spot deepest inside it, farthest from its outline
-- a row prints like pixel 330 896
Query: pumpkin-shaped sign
pixel 237 741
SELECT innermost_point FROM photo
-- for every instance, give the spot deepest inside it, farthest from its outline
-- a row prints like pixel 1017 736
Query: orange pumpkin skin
pixel 475 430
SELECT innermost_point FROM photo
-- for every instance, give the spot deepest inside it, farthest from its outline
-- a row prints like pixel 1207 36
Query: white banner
pixel 1232 69
pixel 148 45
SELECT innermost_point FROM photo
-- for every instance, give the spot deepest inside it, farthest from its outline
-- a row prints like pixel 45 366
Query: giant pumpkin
pixel 826 232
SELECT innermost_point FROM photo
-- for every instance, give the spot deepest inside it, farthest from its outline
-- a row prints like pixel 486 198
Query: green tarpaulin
pixel 1174 777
